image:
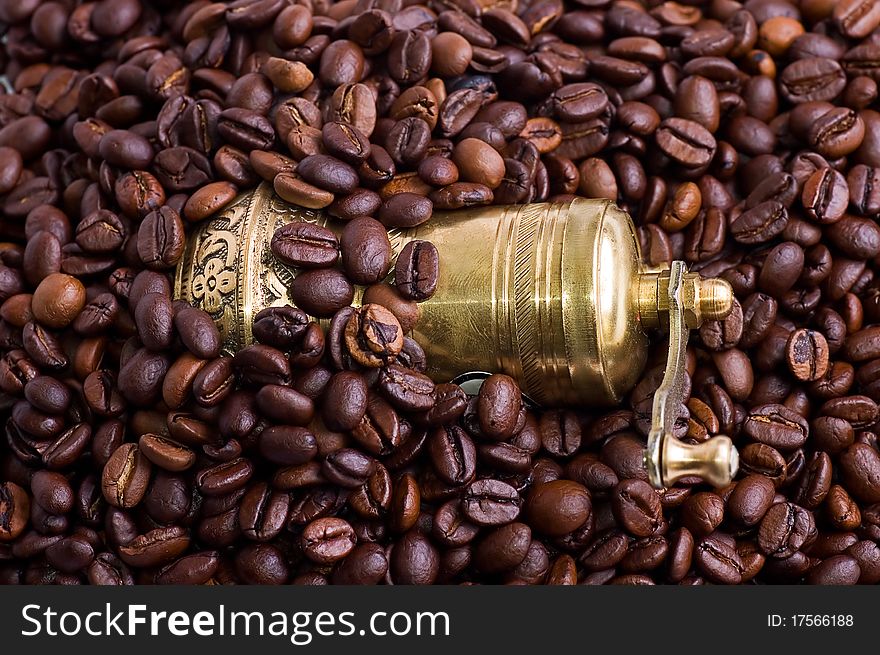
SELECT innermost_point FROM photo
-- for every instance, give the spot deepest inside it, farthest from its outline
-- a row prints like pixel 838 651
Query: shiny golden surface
pixel 716 461
pixel 552 294
pixel 543 292
pixel 227 267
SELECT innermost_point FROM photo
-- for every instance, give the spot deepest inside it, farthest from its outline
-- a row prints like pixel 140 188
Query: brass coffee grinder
pixel 553 294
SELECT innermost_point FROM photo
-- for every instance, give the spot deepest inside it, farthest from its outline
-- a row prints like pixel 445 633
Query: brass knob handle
pixel 716 461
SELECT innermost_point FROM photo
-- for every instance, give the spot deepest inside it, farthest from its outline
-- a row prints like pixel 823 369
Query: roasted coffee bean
pixel 759 314
pixel 245 129
pixel 302 141
pixel 287 445
pixel 155 320
pixel 686 142
pixel 47 394
pixel 460 195
pixel 836 570
pixel 327 540
pixel 197 332
pixel 503 548
pixel 832 435
pixel 405 210
pixel 407 141
pixel 347 467
pixel 225 477
pixel 812 79
pixel 11 166
pixel 379 431
pixel 14 511
pixel 361 202
pixel 285 405
pixel 417 270
pixel 406 389
pixel 815 482
pixel 280 327
pixel 346 391
pixel 373 335
pixel 328 173
pixel 836 133
pixel 785 528
pixel 51 492
pixel 125 476
pixel 366 250
pixel 859 411
pixel 413 560
pixel 453 454
pixel 166 453
pixel 864 189
pixel 681 551
pixel 855 237
pixel 125 149
pixel 322 292
pixel 478 162
pixel 67 447
pixel 262 512
pixel 807 354
pixel 637 506
pixel 208 200
pixel 161 239
pixel 764 460
pixel 102 395
pixel 156 547
pixel 261 564
pixel 57 300
pixel 718 561
pixel 776 426
pixel 373 498
pixel 605 551
pixel 196 568
pixel 451 528
pixel 305 245
pixel 100 232
pixel 259 364
pixel 750 500
pixel 499 403
pixel 559 507
pixel 579 102
pixel 723 334
pixel 107 569
pixel 761 223
pixel 860 469
pixel 702 513
pixel 645 554
pixel 366 564
pixel 491 502
pixel 560 433
pixel 825 195
pixel 782 269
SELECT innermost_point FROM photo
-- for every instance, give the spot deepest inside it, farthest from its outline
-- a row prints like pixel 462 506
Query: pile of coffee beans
pixel 741 136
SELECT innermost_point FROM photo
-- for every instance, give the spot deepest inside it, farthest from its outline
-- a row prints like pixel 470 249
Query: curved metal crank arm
pixel 667 458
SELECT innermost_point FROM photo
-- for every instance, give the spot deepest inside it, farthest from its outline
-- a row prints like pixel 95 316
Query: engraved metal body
pixel 553 294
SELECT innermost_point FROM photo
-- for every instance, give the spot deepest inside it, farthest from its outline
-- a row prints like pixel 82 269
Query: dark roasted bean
pixel 784 529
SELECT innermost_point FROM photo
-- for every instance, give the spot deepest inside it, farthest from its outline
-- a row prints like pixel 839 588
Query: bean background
pixel 741 137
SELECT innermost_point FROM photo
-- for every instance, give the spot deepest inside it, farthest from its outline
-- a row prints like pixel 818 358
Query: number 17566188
pixel 810 621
